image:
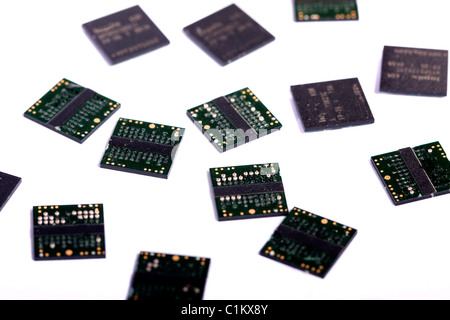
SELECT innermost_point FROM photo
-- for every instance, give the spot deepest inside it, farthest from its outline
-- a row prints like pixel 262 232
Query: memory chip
pixel 325 10
pixel 68 232
pixel 412 174
pixel 142 147
pixel 72 110
pixel 228 34
pixel 332 104
pixel 8 185
pixel 125 35
pixel 160 276
pixel 308 242
pixel 250 191
pixel 233 120
pixel 414 71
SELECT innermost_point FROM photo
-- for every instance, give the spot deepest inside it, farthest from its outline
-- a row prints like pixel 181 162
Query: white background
pixel 399 252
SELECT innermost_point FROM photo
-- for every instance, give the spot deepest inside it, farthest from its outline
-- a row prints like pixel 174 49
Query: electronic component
pixel 308 242
pixel 332 104
pixel 414 71
pixel 125 35
pixel 8 185
pixel 235 119
pixel 72 110
pixel 320 10
pixel 412 174
pixel 163 276
pixel 228 34
pixel 142 148
pixel 250 191
pixel 68 232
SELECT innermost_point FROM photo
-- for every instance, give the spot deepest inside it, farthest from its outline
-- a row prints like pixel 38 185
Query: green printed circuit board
pixel 72 110
pixel 235 119
pixel 323 10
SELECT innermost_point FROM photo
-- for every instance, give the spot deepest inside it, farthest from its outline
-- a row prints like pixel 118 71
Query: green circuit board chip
pixel 250 191
pixel 68 232
pixel 412 174
pixel 164 276
pixel 72 110
pixel 142 148
pixel 308 242
pixel 233 120
pixel 325 10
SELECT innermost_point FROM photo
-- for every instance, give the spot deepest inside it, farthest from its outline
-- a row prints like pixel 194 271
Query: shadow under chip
pixel 414 71
pixel 228 34
pixel 125 35
pixel 332 105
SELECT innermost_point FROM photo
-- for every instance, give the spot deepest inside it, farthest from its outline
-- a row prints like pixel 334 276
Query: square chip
pixel 228 34
pixel 8 185
pixel 68 232
pixel 142 148
pixel 160 276
pixel 332 105
pixel 414 71
pixel 412 174
pixel 125 35
pixel 325 10
pixel 72 110
pixel 250 191
pixel 235 119
pixel 308 242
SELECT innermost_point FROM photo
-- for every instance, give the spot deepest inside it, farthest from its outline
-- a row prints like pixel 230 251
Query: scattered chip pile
pixel 250 191
pixel 160 276
pixel 142 147
pixel 68 232
pixel 308 242
pixel 233 120
pixel 72 110
pixel 228 34
pixel 412 174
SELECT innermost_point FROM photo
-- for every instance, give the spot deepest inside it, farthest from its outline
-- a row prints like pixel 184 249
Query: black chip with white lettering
pixel 332 104
pixel 125 35
pixel 228 34
pixel 8 185
pixel 414 71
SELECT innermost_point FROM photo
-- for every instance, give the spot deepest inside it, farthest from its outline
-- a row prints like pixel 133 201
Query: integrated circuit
pixel 160 276
pixel 412 174
pixel 308 242
pixel 414 71
pixel 72 110
pixel 250 191
pixel 8 185
pixel 142 147
pixel 234 119
pixel 125 35
pixel 68 232
pixel 325 10
pixel 332 104
pixel 228 34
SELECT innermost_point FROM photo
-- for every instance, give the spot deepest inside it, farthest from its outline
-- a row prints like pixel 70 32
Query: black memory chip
pixel 68 232
pixel 228 34
pixel 125 35
pixel 332 105
pixel 160 276
pixel 8 184
pixel 414 71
